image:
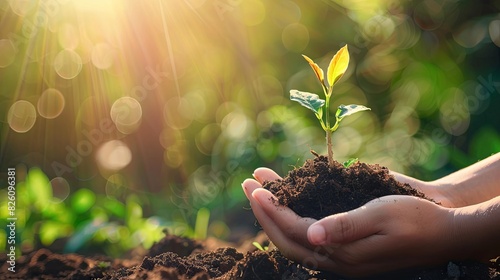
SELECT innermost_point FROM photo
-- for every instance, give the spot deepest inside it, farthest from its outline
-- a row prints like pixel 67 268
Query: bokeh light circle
pixel 295 37
pixel 21 116
pixel 126 113
pixel 7 53
pixel 207 137
pixel 68 64
pixel 172 113
pixel 253 12
pixel 115 185
pixel 454 112
pixel 60 188
pixel 51 104
pixel 289 13
pixel 494 30
pixel 103 56
pixel 378 28
pixel 237 125
pixel 406 34
pixel 113 155
pixel 470 34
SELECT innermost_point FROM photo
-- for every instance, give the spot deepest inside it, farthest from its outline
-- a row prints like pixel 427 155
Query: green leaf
pixel 258 246
pixel 114 207
pixel 308 100
pixel 82 200
pixel 338 65
pixel 346 110
pixel 51 230
pixel 39 188
pixel 201 224
pixel 349 162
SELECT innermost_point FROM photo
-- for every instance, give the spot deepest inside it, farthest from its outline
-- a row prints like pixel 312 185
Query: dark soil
pixel 163 261
pixel 317 191
pixel 181 258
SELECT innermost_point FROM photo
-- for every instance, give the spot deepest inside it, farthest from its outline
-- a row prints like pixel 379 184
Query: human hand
pixel 432 190
pixel 389 233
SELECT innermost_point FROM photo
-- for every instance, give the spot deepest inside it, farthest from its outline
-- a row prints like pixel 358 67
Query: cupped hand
pixel 431 190
pixel 389 233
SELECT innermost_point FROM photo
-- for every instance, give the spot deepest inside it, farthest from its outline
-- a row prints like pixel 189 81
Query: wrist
pixel 442 192
pixel 476 229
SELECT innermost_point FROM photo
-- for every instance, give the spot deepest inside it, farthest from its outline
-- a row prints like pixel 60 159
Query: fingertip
pixel 249 186
pixel 316 234
pixel 247 182
pixel 265 174
pixel 262 195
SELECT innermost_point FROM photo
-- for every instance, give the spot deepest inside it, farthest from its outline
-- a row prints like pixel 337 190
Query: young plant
pixel 258 246
pixel 349 162
pixel 321 108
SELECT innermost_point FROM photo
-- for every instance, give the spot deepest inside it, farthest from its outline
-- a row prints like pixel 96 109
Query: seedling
pixel 321 108
pixel 349 162
pixel 258 246
pixel 103 264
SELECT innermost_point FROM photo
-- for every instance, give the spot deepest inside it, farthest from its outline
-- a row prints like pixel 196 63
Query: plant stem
pixel 329 147
pixel 328 130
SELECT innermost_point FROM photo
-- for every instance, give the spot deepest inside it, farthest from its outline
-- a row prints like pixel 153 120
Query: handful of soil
pixel 317 190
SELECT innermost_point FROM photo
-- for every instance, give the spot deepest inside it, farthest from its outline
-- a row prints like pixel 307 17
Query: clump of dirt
pixel 171 243
pixel 317 190
pixel 267 265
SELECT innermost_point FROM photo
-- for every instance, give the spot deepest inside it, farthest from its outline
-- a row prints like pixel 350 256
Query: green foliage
pixel 349 162
pixel 336 69
pixel 38 187
pixel 309 100
pixel 485 142
pixel 201 224
pixel 346 110
pixel 103 264
pixel 258 246
pixel 86 217
pixel 82 200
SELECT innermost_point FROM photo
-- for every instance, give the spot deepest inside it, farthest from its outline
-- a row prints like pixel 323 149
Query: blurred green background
pixel 123 118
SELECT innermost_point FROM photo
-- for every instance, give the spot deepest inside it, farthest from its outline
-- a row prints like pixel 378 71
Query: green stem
pixel 334 128
pixel 328 131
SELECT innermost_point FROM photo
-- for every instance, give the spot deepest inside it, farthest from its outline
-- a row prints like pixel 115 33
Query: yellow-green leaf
pixel 317 70
pixel 338 65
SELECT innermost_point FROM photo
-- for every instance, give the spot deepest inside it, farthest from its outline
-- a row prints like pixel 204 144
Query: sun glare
pixel 97 6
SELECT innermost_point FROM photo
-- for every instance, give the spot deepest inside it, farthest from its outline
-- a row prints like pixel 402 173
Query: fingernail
pixel 245 189
pixel 256 177
pixel 316 235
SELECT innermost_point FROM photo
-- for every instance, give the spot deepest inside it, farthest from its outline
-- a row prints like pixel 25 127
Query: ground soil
pixel 175 257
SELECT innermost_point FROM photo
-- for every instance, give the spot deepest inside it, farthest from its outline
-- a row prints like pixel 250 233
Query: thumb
pixel 344 227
